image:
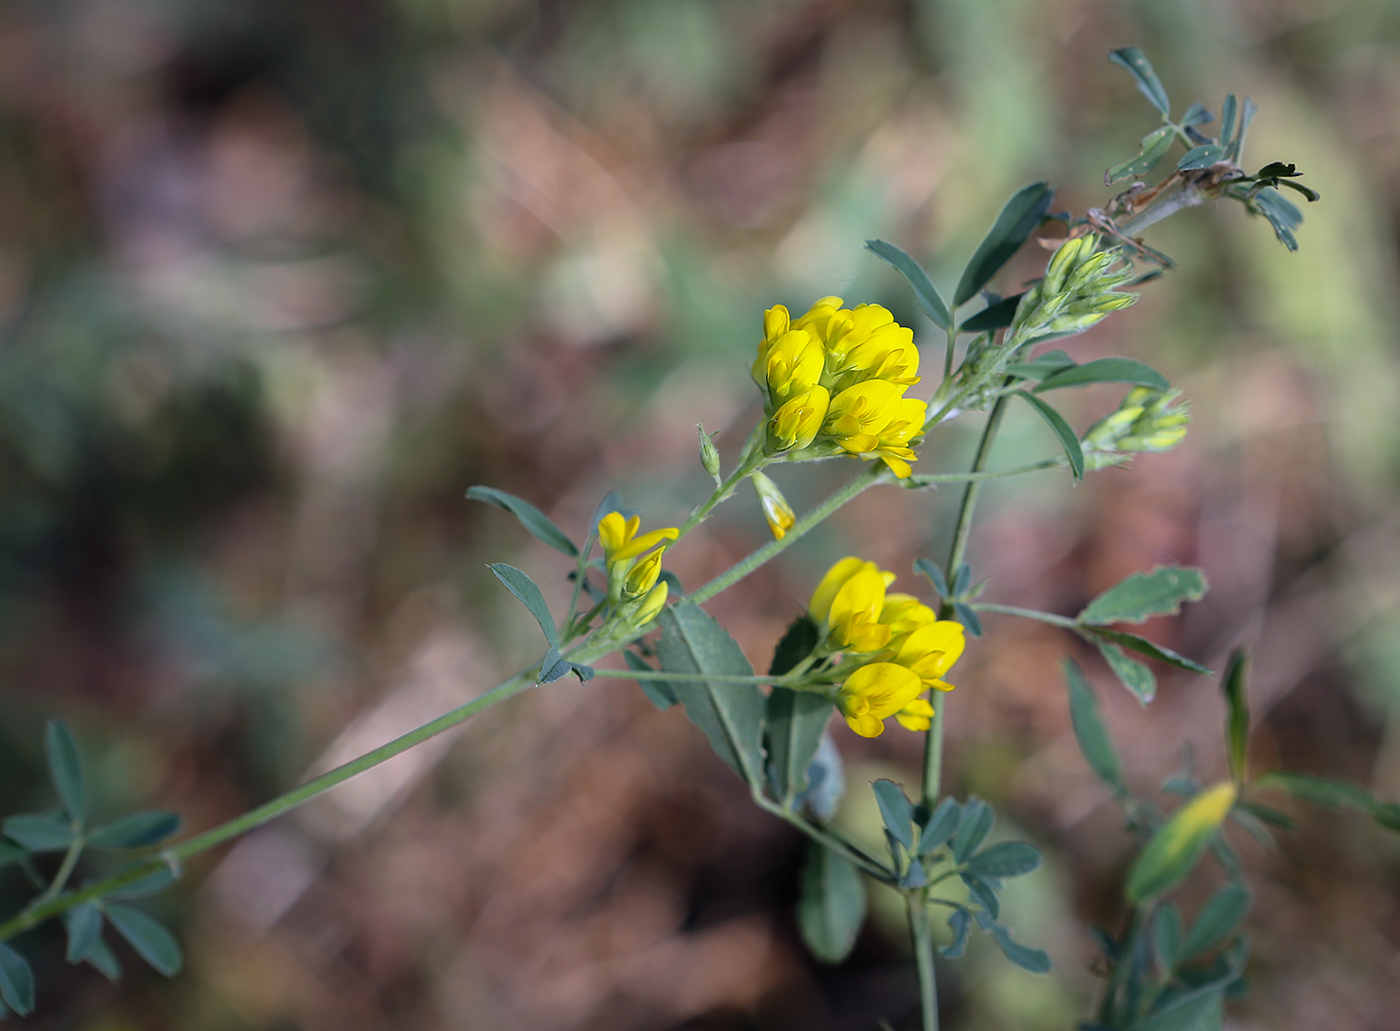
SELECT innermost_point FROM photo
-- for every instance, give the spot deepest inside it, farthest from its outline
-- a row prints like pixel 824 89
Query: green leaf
pixel 1069 440
pixel 993 316
pixel 147 827
pixel 1197 114
pixel 896 810
pixel 1247 111
pixel 1140 69
pixel 1227 121
pixel 1178 844
pixel 150 939
pixel 983 894
pixel 1106 370
pixel 975 825
pixel 1090 732
pixel 967 616
pixel 1216 922
pixel 1134 675
pixel 1167 934
pixel 941 824
pixel 1267 814
pixel 1332 794
pixel 1020 218
pixel 552 667
pixel 1200 157
pixel 962 577
pixel 16 981
pixel 1282 215
pixel 1037 961
pixel 1047 364
pixel 1232 684
pixel 797 642
pixel 524 589
pixel 796 722
pixel 1152 149
pixel 924 290
pixel 11 853
pixel 731 715
pixel 66 768
pixel 960 923
pixel 1143 595
pixel 830 905
pixel 83 924
pixel 1005 859
pixel 1307 191
pixel 105 961
pixel 1194 1011
pixel 539 524
pixel 934 572
pixel 1143 646
pixel 44 832
pixel 152 883
pixel 658 691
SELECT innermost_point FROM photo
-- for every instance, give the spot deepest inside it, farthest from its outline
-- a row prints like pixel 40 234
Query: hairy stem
pixel 922 936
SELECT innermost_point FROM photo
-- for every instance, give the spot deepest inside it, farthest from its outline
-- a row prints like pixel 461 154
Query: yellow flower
pixel 873 419
pixel 643 575
pixel 849 601
pixel 930 651
pixel 775 507
pixel 819 608
pixel 917 715
pixel 792 365
pixel 875 692
pixel 866 343
pixel 797 422
pixel 650 605
pixel 905 613
pixel 620 541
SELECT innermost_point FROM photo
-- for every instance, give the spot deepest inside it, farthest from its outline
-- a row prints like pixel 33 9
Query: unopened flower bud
pixel 775 507
pixel 709 455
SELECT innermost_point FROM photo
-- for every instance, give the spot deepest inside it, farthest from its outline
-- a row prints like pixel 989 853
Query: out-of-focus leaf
pixel 1237 716
pixel 924 290
pixel 982 892
pixel 796 644
pixel 658 691
pixel 1227 121
pixel 1196 1011
pixel 1106 370
pixel 975 825
pixel 1200 157
pixel 1332 794
pixel 1143 595
pixel 1090 731
pixel 66 768
pixel 535 521
pixel 1167 934
pixel 138 830
pixel 83 924
pixel 731 715
pixel 831 904
pixel 1143 646
pixel 152 942
pixel 1254 827
pixel 968 617
pixel 942 822
pixel 1151 150
pixel 519 584
pixel 1137 65
pixel 16 981
pixel 612 502
pixel 1247 111
pixel 11 853
pixel 1282 215
pixel 993 316
pixel 934 573
pixel 826 782
pixel 1197 114
pixel 1037 961
pixel 1047 364
pixel 796 722
pixel 152 883
pixel 896 811
pixel 960 923
pixel 962 577
pixel 1069 440
pixel 1216 922
pixel 1005 859
pixel 1020 218
pixel 105 961
pixel 1134 675
pixel 1267 814
pixel 44 832
pixel 1178 844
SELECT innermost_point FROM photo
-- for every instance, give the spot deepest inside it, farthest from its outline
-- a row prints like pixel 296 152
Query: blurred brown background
pixel 279 281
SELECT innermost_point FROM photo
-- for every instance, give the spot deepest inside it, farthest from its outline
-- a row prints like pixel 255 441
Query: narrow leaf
pixel 1069 440
pixel 66 768
pixel 83 924
pixel 976 824
pixel 1137 65
pixel 796 722
pixel 1090 732
pixel 524 589
pixel 16 981
pixel 658 691
pixel 1237 718
pixel 1037 961
pixel 1193 1011
pixel 1330 794
pixel 1143 646
pixel 993 316
pixel 1142 595
pixel 1106 370
pixel 1047 364
pixel 797 642
pixel 1178 844
pixel 731 715
pixel 826 782
pixel 535 521
pixel 138 830
pixel 940 827
pixel 45 832
pixel 981 892
pixel 1227 121
pixel 896 810
pixel 1167 934
pixel 1306 191
pixel 152 942
pixel 967 616
pixel 962 577
pixel 934 572
pixel 105 961
pixel 152 883
pixel 1020 218
pixel 1005 859
pixel 1197 114
pixel 1151 150
pixel 553 667
pixel 1200 157
pixel 1134 675
pixel 960 924
pixel 831 904
pixel 924 290
pixel 1267 814
pixel 1216 922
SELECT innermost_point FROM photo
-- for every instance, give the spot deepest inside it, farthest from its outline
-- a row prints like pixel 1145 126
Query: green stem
pixel 831 840
pixel 707 678
pixel 933 751
pixel 932 479
pixel 65 870
pixel 751 460
pixel 1012 610
pixel 922 935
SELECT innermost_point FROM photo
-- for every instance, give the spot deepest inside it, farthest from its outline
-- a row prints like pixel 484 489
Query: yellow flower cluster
pixel 633 566
pixel 902 647
pixel 833 382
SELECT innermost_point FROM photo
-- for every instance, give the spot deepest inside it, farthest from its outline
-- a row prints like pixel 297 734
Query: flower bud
pixel 775 507
pixel 709 455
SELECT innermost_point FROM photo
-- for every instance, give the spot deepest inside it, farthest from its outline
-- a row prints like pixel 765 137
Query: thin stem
pixel 65 870
pixel 933 479
pixel 750 460
pixel 933 751
pixel 923 960
pixel 952 343
pixel 831 840
pixel 707 678
pixel 1012 610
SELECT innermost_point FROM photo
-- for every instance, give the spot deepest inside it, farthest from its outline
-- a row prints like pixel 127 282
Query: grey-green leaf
pixel 1200 157
pixel 535 521
pixel 1135 676
pixel 1143 646
pixel 16 981
pixel 796 721
pixel 147 827
pixel 45 832
pixel 942 822
pixel 993 316
pixel 1167 934
pixel 796 644
pixel 1090 731
pixel 1037 961
pixel 731 715
pixel 1005 859
pixel 831 904
pixel 11 853
pixel 658 691
pixel 1232 684
pixel 152 942
pixel 1048 363
pixel 934 572
pixel 83 924
pixel 1216 922
pixel 1020 218
pixel 924 291
pixel 976 824
pixel 524 589
pixel 553 667
pixel 1069 440
pixel 1137 65
pixel 105 961
pixel 1194 1011
pixel 66 768
pixel 983 894
pixel 1151 150
pixel 153 883
pixel 960 924
pixel 1197 114
pixel 1106 370
pixel 896 810
pixel 1143 595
